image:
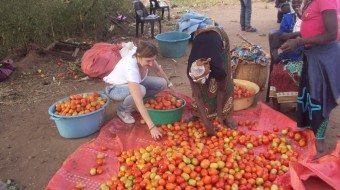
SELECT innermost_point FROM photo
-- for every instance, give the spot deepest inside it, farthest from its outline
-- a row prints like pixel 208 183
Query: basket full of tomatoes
pixel 244 94
pixel 79 115
pixel 165 109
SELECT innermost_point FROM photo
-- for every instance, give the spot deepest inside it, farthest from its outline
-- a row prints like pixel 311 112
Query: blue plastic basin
pixel 173 44
pixel 80 125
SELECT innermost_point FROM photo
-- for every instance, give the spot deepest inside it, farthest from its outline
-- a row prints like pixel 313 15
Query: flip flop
pixel 251 29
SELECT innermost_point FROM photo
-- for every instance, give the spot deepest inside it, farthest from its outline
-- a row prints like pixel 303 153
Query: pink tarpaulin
pixel 117 136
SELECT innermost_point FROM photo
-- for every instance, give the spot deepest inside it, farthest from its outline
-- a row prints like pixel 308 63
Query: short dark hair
pixel 285 8
pixel 146 49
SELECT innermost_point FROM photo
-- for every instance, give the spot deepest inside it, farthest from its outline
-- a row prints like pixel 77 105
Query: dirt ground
pixel 31 149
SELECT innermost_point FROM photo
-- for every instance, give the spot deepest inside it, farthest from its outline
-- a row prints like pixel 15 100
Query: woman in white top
pixel 131 83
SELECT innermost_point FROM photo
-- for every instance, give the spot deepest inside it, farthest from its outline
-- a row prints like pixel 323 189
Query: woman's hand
pixel 290 45
pixel 155 133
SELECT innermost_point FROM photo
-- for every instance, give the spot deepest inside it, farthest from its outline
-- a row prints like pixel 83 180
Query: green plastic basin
pixel 160 117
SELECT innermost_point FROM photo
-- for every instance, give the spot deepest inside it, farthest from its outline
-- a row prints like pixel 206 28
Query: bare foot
pixel 230 123
pixel 320 145
pixel 193 118
pixel 210 131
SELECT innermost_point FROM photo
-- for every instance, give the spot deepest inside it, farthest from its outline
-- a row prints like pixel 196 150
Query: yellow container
pixel 244 103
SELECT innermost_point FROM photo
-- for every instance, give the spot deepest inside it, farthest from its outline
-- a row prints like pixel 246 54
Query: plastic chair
pixel 143 16
pixel 155 5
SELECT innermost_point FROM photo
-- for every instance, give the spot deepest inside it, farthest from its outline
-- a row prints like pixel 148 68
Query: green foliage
pixel 44 21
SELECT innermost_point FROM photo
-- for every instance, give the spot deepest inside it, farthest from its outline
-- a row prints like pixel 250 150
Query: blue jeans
pixel 245 13
pixel 149 86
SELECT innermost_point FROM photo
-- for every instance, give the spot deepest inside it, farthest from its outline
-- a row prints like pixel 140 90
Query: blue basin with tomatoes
pixel 77 126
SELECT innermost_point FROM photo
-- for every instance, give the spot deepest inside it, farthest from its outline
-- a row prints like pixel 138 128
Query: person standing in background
pixel 245 16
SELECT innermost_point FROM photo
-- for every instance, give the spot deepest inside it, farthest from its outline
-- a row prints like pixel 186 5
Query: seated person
pixel 130 83
pixel 209 73
pixel 285 69
pixel 281 6
pixel 289 25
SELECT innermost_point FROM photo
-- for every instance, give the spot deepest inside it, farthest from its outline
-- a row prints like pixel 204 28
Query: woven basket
pixel 244 103
pixel 253 72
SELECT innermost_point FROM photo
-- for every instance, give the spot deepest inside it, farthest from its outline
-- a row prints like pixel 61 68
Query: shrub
pixel 44 21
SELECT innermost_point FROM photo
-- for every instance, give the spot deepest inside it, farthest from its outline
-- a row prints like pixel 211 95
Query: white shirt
pixel 125 71
pixel 297 25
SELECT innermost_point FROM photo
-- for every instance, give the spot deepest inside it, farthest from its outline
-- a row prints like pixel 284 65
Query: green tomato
pixel 192 182
pixel 249 146
pixel 220 164
pixel 104 187
pixel 259 181
pixel 128 183
pixel 274 187
pixel 185 176
pixel 213 165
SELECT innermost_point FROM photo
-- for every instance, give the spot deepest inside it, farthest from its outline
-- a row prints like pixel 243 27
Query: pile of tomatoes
pixel 80 104
pixel 166 102
pixel 188 159
pixel 242 92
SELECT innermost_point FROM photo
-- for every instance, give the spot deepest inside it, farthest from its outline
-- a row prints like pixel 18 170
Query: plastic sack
pixel 128 49
pixel 6 69
pixel 100 60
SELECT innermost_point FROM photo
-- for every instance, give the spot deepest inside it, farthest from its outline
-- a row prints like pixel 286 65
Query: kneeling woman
pixel 209 73
pixel 130 83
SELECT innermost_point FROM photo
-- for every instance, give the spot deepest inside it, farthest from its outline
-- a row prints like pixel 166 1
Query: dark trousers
pixel 245 13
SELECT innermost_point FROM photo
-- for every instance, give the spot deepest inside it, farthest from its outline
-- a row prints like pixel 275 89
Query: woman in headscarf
pixel 319 91
pixel 209 73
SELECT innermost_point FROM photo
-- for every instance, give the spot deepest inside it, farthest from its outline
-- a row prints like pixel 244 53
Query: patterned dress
pixel 209 89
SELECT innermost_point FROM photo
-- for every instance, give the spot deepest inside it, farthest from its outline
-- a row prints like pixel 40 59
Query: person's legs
pixel 247 19
pixel 221 99
pixel 153 85
pixel 122 93
pixel 247 14
pixel 242 15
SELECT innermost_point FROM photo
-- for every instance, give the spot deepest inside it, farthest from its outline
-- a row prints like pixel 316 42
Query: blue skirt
pixel 319 87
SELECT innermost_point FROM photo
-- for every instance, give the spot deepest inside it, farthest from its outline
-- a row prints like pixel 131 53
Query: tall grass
pixel 43 21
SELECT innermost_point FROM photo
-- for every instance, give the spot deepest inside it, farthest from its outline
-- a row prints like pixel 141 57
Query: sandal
pixel 250 29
